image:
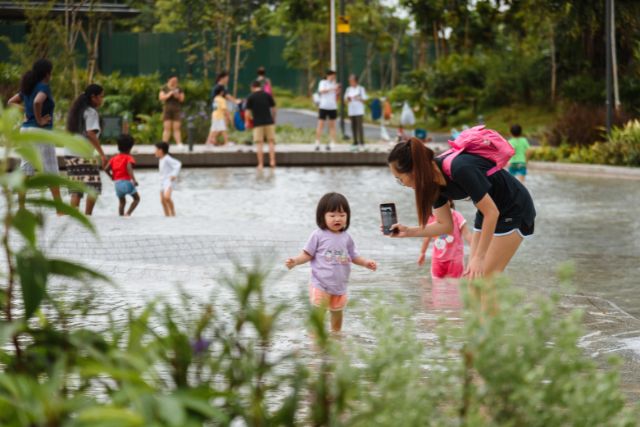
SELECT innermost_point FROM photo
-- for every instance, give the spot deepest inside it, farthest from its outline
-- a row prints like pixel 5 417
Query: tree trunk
pixel 228 45
pixel 381 72
pixel 205 56
pixel 218 49
pixel 466 34
pixel 554 65
pixel 614 59
pixel 236 66
pixel 436 41
pixel 394 61
pixel 365 75
pixel 422 43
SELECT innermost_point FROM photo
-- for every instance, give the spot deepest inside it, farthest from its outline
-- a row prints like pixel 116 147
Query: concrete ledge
pixel 581 169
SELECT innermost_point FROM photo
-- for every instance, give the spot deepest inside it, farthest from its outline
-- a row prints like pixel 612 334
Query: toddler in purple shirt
pixel 331 251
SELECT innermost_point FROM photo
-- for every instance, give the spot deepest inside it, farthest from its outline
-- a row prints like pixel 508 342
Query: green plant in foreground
pixel 197 362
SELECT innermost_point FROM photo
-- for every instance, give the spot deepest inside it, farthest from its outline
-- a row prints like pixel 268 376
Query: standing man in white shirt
pixel 328 91
pixel 354 96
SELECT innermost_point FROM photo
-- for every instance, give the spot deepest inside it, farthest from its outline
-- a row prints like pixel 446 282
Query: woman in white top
pixel 354 96
pixel 83 119
pixel 328 91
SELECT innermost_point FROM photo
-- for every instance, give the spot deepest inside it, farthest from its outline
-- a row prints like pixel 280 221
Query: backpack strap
pixel 447 157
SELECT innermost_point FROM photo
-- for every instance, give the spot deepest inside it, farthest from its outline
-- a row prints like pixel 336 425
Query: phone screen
pixel 389 217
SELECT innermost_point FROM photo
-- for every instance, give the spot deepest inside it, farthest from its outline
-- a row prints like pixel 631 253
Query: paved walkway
pixel 309 119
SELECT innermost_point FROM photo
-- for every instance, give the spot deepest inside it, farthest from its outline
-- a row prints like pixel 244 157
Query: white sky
pixel 400 11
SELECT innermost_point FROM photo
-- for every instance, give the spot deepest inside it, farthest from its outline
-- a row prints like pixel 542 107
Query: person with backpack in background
pixel 264 81
pixel 328 92
pixel 354 96
pixel 472 168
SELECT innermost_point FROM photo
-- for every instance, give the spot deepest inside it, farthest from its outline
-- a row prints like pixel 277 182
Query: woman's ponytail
pixel 81 103
pixel 412 157
pixel 39 70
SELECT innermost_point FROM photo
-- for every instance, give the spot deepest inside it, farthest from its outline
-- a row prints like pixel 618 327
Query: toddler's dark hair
pixel 332 202
pixel 125 144
pixel 218 90
pixel 516 130
pixel 163 146
pixel 256 83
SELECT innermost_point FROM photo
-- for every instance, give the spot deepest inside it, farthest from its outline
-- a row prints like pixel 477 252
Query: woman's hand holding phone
pixel 399 230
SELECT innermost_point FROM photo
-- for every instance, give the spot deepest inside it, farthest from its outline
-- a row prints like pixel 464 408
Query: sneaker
pixel 317 144
pixel 328 148
pixel 331 146
pixel 354 147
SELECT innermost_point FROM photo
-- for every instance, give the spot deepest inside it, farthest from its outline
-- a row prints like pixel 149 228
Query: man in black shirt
pixel 261 108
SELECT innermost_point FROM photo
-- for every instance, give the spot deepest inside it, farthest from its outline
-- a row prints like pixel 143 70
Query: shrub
pixel 621 149
pixel 10 75
pixel 581 125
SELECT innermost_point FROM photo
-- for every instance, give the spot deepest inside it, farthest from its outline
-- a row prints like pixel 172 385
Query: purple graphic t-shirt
pixel 331 263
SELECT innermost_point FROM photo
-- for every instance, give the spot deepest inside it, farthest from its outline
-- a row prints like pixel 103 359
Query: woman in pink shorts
pixel 447 257
pixel 331 251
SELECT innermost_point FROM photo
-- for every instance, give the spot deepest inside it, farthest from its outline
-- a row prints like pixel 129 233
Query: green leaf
pixel 45 180
pixel 75 143
pixel 104 416
pixel 32 268
pixel 203 407
pixel 170 410
pixel 31 155
pixel 7 329
pixel 26 222
pixel 61 267
pixel 14 180
pixel 64 208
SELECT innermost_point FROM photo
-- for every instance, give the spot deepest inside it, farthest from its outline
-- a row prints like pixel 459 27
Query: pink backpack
pixel 482 142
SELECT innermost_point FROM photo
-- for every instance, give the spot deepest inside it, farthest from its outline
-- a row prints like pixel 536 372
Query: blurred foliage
pixel 621 149
pixel 194 362
pixel 582 124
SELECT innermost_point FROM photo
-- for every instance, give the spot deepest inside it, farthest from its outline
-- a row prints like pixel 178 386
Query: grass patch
pixel 285 134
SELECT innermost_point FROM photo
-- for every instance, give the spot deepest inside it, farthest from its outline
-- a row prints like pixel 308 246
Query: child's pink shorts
pixel 446 269
pixel 320 298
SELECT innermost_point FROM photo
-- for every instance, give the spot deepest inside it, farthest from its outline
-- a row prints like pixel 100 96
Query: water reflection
pixel 441 293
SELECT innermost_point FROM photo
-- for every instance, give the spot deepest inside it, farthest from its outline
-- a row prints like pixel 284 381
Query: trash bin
pixel 111 127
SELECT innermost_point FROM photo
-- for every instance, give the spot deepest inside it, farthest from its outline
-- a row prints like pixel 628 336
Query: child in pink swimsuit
pixel 447 258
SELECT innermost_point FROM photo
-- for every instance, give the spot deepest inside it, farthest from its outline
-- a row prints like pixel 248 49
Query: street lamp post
pixel 343 69
pixel 609 65
pixel 332 23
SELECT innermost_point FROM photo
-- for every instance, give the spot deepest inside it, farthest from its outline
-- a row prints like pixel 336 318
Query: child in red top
pixel 120 169
pixel 447 258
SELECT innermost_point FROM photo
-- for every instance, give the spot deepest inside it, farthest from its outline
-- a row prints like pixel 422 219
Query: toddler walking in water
pixel 331 251
pixel 447 258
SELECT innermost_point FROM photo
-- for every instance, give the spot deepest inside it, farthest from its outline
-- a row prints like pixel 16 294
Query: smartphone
pixel 389 217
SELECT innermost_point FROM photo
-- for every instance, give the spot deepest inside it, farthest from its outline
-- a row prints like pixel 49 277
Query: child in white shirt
pixel 169 168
